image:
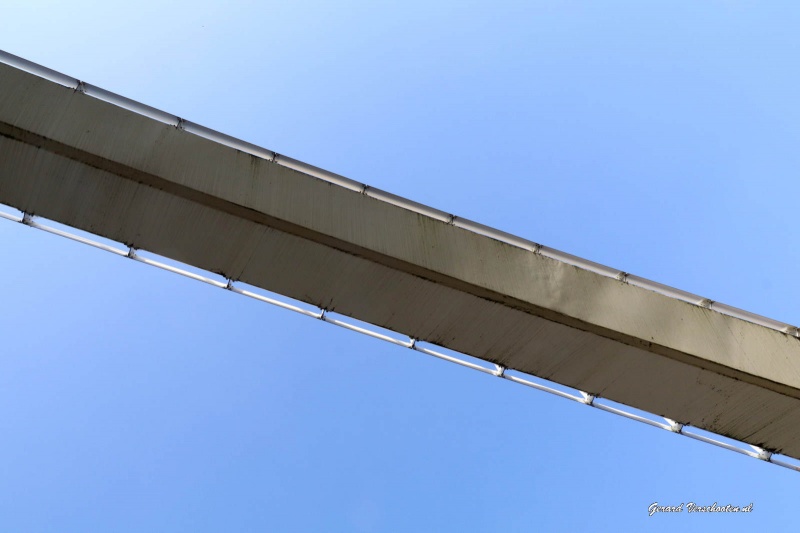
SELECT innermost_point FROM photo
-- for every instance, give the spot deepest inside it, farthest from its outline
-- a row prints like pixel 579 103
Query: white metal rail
pixel 582 397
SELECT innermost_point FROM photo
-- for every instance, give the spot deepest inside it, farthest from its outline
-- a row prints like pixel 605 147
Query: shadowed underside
pixel 101 168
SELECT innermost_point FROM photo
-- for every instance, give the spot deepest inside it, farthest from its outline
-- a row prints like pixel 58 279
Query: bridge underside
pixel 92 165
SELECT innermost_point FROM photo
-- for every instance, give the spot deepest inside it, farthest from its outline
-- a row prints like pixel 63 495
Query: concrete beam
pixel 101 168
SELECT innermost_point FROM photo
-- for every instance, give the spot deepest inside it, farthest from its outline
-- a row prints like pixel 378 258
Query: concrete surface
pixel 95 166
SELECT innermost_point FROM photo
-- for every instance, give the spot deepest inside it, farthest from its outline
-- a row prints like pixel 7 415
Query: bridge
pixel 79 155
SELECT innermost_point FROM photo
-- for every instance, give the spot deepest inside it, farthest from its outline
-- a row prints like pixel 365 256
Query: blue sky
pixel 661 140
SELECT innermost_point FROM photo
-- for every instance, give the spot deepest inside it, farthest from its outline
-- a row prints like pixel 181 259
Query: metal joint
pixel 792 330
pixel 761 453
pixel 675 427
pixel 131 252
pixel 229 285
pixel 275 156
pixel 623 277
pixel 413 343
pixel 706 303
pixel 588 399
pixel 537 248
pixel 322 314
pixel 81 87
pixel 181 125
pixel 500 371
pixel 451 220
pixel 27 219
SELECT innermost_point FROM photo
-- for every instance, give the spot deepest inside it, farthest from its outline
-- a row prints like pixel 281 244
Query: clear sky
pixel 661 139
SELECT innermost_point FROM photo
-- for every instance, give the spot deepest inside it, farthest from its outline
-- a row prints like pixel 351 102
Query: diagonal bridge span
pixel 81 156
